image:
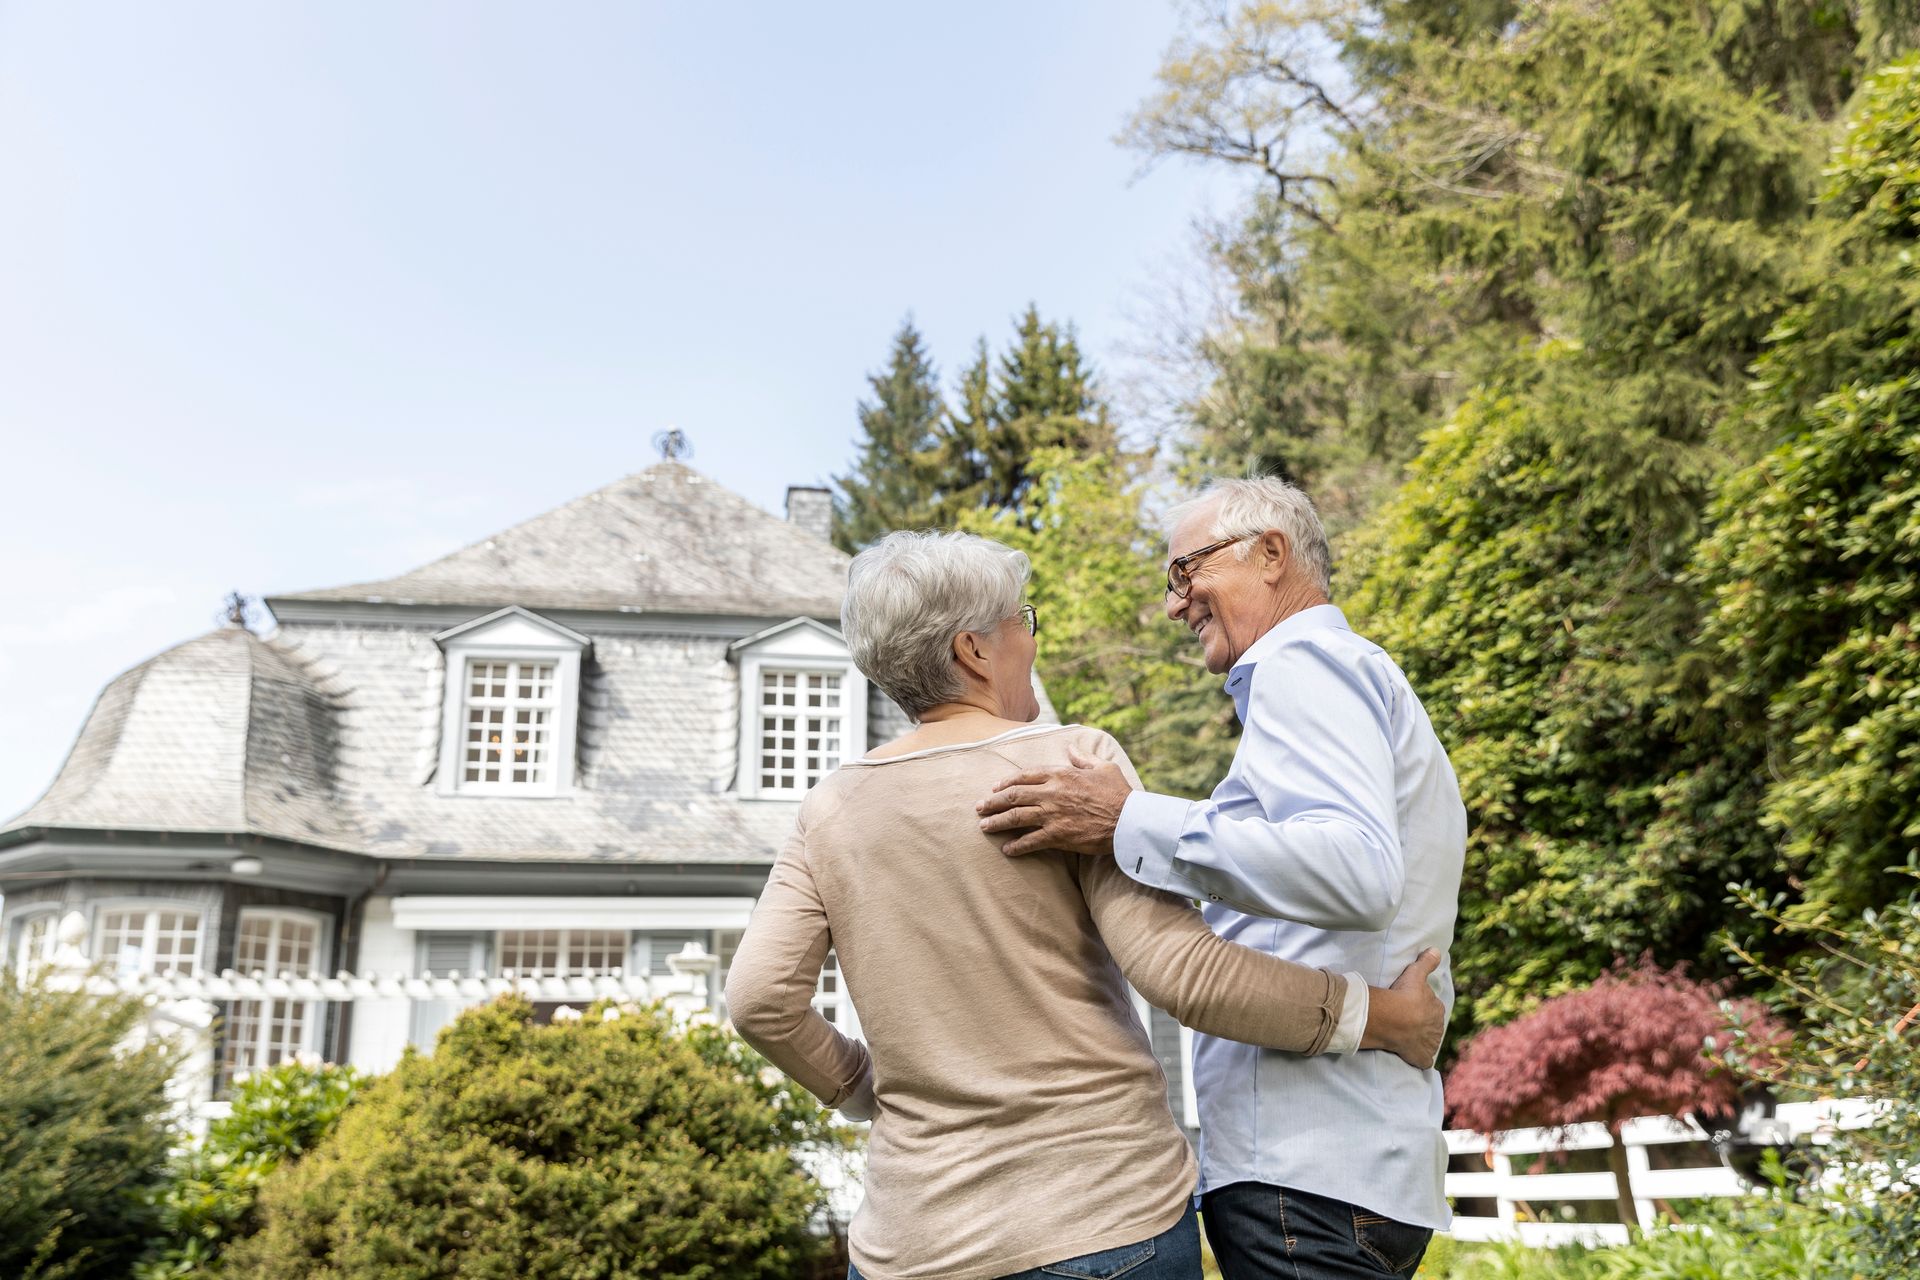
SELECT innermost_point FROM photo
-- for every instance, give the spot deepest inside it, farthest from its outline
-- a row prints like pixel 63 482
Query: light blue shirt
pixel 1336 840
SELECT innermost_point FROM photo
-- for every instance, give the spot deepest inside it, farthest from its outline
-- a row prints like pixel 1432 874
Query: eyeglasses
pixel 1030 619
pixel 1180 569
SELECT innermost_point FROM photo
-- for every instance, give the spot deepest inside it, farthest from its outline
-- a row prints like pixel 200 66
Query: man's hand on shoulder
pixel 1073 808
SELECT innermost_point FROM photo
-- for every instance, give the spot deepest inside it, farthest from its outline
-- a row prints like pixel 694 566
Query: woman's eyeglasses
pixel 1030 619
pixel 1180 568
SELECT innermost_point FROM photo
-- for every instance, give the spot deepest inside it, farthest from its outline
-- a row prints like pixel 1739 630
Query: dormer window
pixel 513 696
pixel 802 728
pixel 509 723
pixel 803 708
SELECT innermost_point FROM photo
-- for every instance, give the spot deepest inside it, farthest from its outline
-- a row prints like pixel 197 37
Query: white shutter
pixel 662 945
pixel 439 953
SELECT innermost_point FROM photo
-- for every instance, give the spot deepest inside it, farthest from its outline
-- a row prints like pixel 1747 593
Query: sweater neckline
pixel 1024 731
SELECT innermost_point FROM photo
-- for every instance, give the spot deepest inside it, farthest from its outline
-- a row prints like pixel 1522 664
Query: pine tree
pixel 1039 395
pixel 958 462
pixel 891 485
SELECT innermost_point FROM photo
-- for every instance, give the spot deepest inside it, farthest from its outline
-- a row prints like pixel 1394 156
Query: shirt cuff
pixel 858 1103
pixel 1146 838
pixel 1353 1017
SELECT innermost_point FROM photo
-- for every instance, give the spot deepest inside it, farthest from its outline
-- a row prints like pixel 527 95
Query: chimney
pixel 811 509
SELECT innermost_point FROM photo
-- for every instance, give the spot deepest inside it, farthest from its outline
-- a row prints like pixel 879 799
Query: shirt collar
pixel 1317 618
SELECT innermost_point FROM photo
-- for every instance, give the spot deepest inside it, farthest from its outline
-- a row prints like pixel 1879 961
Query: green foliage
pixel 889 485
pixel 1783 1242
pixel 209 1200
pixel 923 465
pixel 1107 654
pixel 1040 395
pixel 1530 253
pixel 1501 578
pixel 608 1146
pixel 83 1132
pixel 1813 565
pixel 1855 986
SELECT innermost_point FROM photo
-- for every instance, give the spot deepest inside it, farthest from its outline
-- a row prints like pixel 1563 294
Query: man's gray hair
pixel 1250 507
pixel 911 593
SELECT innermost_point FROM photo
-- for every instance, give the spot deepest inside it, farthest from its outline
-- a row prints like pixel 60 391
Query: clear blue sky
pixel 294 295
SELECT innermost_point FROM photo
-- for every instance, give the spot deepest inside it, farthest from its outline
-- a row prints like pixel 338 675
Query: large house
pixel 573 747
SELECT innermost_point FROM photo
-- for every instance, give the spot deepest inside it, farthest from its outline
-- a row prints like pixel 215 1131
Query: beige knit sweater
pixel 1022 1118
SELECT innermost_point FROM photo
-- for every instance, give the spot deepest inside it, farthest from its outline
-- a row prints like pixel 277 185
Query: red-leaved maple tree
pixel 1641 1041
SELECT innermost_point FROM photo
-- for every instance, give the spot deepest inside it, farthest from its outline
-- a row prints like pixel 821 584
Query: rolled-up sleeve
pixel 771 983
pixel 1310 831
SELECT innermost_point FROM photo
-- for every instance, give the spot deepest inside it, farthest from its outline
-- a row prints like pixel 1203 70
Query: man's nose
pixel 1176 605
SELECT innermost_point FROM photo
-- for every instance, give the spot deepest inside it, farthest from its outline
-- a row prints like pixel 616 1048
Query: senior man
pixel 1336 840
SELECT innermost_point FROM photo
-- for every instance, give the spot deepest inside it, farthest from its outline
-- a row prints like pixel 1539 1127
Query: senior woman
pixel 1020 1120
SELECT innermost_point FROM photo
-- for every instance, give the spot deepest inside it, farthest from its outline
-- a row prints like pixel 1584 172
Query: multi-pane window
pixel 508 727
pixel 562 953
pixel 35 945
pixel 801 728
pixel 157 940
pixel 830 995
pixel 260 1033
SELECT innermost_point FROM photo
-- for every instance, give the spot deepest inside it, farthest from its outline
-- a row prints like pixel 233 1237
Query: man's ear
pixel 972 655
pixel 1274 555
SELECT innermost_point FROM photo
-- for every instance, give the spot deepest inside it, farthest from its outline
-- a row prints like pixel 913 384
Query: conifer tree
pixel 891 484
pixel 958 463
pixel 1038 395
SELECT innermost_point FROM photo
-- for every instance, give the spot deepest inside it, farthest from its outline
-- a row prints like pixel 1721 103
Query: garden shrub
pixel 210 1197
pixel 1786 1243
pixel 603 1147
pixel 83 1132
pixel 1858 999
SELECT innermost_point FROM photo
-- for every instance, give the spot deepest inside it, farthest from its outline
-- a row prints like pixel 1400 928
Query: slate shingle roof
pixel 328 734
pixel 666 539
pixel 658 736
pixel 225 733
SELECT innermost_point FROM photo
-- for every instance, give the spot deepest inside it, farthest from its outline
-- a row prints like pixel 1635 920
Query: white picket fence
pixel 1522 1197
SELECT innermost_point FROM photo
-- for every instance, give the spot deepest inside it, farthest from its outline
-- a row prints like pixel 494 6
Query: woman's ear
pixel 971 654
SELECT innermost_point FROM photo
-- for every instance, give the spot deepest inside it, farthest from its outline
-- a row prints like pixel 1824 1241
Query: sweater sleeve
pixel 1167 951
pixel 771 984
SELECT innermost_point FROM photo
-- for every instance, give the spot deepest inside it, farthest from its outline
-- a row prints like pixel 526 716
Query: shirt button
pixel 1213 897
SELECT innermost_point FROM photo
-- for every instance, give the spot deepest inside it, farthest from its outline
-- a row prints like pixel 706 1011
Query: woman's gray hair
pixel 911 593
pixel 1248 508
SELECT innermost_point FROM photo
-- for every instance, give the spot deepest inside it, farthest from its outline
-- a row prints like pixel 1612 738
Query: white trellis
pixel 1516 1194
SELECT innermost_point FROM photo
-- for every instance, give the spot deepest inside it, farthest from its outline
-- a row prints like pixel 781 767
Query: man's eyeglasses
pixel 1030 619
pixel 1180 568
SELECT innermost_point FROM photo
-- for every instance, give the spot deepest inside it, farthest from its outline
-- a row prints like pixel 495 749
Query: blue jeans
pixel 1258 1232
pixel 1174 1254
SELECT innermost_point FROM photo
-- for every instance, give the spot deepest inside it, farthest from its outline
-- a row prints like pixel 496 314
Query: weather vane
pixel 672 443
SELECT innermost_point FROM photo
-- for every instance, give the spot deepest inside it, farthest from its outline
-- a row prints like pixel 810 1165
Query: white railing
pixel 184 1006
pixel 1518 1194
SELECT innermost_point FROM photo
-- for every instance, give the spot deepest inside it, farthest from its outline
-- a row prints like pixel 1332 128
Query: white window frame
pixel 563 947
pixel 151 907
pixel 23 959
pixel 314 1016
pixel 512 634
pixel 835 1005
pixel 806 646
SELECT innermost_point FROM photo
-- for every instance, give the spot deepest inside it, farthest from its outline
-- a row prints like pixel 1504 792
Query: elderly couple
pixel 1020 1119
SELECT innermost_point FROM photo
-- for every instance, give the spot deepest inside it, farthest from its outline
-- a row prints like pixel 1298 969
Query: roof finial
pixel 233 610
pixel 672 444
